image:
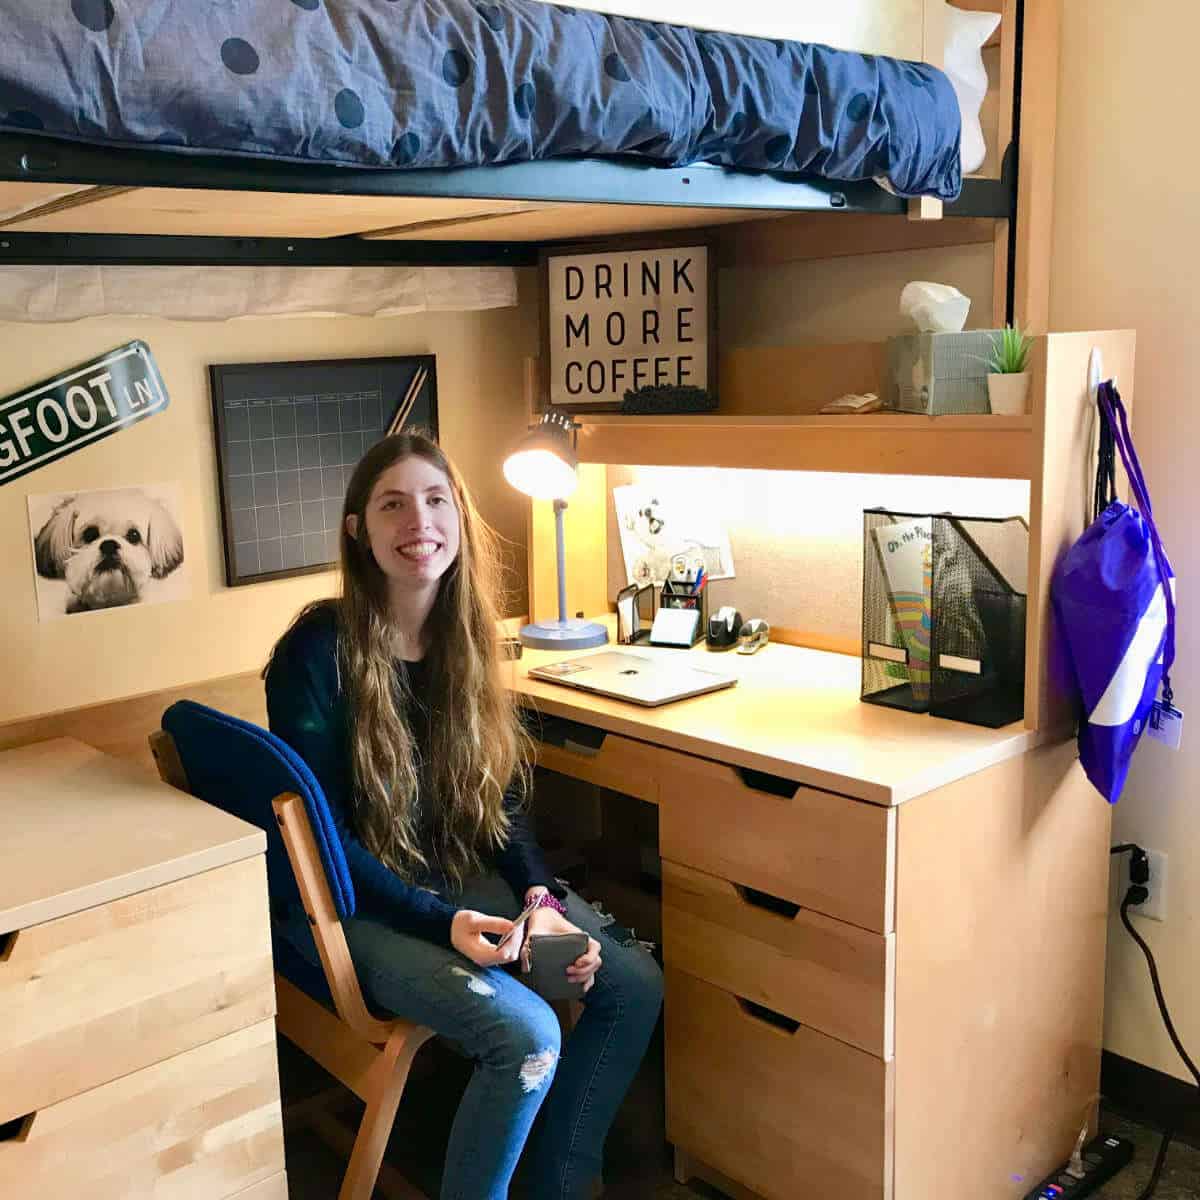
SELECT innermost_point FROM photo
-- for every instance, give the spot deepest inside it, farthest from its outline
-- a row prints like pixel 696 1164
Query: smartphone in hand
pixel 550 954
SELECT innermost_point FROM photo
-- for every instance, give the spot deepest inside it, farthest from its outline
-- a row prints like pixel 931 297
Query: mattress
pixel 464 83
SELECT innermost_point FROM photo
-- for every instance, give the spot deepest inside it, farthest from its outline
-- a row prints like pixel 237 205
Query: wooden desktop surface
pixel 58 857
pixel 794 713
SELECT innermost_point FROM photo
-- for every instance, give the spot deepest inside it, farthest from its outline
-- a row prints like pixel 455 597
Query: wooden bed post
pixel 1001 263
pixel 933 42
pixel 1035 182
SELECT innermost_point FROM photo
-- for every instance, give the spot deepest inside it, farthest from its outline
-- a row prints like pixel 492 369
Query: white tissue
pixel 935 307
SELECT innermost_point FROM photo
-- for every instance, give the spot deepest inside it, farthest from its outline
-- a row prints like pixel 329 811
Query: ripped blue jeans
pixel 513 1037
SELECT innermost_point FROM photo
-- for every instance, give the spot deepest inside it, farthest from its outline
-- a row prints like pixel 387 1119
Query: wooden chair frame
pixel 371 1057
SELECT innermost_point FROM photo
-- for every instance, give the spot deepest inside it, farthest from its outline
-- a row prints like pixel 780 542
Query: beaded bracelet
pixel 547 900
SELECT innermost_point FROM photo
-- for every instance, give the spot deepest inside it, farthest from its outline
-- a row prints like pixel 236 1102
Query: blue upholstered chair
pixel 251 773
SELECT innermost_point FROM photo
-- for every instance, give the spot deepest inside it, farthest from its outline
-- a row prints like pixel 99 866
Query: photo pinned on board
pixel 670 535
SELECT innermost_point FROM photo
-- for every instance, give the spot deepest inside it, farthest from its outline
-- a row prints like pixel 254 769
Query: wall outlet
pixel 1155 908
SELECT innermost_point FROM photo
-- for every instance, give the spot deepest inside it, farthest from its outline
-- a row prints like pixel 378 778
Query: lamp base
pixel 571 634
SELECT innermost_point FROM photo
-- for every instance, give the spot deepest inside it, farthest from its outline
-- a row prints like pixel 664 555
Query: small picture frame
pixel 628 317
pixel 635 613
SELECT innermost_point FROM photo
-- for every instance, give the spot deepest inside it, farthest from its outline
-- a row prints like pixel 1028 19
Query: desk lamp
pixel 543 466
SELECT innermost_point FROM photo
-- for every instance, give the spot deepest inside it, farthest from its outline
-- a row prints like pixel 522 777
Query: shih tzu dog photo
pixel 111 548
pixel 646 525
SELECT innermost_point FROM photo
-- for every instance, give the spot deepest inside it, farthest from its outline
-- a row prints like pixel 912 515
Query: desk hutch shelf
pixel 768 420
pixel 889 443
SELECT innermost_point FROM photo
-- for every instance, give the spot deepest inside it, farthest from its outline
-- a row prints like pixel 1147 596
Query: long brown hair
pixel 478 749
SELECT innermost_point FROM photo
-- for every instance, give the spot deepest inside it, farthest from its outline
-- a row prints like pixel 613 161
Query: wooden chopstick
pixel 410 399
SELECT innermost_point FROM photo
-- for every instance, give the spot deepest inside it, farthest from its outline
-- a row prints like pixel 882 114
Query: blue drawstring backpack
pixel 1114 597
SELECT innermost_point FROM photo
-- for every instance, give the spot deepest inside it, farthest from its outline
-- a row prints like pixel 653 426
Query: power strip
pixel 1103 1157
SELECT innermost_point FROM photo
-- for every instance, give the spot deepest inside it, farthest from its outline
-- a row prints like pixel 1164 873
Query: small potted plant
pixel 1008 381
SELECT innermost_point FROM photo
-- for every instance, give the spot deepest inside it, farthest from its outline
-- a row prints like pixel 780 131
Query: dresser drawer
pixel 784 1111
pixel 831 976
pixel 200 1125
pixel 820 850
pixel 89 997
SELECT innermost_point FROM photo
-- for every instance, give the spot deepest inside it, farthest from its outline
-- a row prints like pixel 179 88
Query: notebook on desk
pixel 638 678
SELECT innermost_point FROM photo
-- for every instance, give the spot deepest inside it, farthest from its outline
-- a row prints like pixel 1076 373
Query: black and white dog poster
pixel 96 550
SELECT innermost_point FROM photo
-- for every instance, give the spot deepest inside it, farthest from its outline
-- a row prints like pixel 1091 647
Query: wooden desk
pixel 137 1040
pixel 884 934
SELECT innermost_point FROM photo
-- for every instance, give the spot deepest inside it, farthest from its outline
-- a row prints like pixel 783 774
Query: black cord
pixel 1137 895
pixel 1158 993
pixel 1159 1159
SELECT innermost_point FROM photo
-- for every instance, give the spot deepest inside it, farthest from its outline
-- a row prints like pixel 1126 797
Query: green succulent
pixel 1010 351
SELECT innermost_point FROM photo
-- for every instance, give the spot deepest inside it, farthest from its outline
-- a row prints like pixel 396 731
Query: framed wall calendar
pixel 288 437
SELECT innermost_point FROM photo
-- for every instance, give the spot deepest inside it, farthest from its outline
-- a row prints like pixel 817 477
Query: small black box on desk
pixel 944 607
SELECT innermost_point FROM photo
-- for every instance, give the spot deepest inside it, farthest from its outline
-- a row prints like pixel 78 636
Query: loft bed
pixel 71 195
pixel 65 201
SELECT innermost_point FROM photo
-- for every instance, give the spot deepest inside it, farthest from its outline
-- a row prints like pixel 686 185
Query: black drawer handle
pixel 564 733
pixel 764 781
pixel 16 1130
pixel 7 942
pixel 767 902
pixel 584 750
pixel 768 1016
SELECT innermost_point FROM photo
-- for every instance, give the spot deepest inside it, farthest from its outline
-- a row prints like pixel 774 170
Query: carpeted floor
pixel 637 1162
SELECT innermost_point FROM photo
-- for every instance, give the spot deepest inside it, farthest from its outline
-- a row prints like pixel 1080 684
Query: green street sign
pixel 80 406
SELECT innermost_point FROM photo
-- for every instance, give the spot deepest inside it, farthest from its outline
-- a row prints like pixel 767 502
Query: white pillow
pixel 966 33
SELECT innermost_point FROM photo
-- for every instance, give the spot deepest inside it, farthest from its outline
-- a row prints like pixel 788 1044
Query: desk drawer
pixel 786 1112
pixel 201 1125
pixel 619 763
pixel 822 851
pixel 112 989
pixel 831 976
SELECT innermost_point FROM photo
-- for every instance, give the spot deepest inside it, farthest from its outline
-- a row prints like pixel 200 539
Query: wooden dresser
pixel 137 1033
pixel 884 933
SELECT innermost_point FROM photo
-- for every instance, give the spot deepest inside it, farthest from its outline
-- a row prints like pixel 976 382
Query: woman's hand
pixel 466 936
pixel 548 921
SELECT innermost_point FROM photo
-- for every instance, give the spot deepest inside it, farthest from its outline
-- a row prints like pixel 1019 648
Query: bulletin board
pixel 289 435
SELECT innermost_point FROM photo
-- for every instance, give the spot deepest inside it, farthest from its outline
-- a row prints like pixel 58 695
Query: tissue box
pixel 939 373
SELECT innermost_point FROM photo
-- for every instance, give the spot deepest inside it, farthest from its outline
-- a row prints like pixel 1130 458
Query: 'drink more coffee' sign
pixel 77 407
pixel 620 321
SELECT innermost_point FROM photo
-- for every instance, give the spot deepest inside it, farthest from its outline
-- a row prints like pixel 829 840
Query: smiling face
pixel 412 523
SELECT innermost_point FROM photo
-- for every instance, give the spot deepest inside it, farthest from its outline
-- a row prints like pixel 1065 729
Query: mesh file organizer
pixel 977 651
pixel 944 608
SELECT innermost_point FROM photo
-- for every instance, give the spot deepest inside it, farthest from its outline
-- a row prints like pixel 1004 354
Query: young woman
pixel 393 696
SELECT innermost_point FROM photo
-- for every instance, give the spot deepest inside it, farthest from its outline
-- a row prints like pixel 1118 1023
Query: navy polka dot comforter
pixel 442 83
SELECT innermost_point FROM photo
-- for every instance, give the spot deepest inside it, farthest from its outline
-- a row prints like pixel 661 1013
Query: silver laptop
pixel 638 678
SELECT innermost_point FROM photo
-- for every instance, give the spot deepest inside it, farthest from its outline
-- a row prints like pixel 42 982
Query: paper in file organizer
pixel 906 553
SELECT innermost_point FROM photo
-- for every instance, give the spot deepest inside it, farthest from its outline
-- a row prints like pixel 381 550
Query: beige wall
pixel 845 299
pixel 796 536
pixel 218 631
pixel 1126 254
